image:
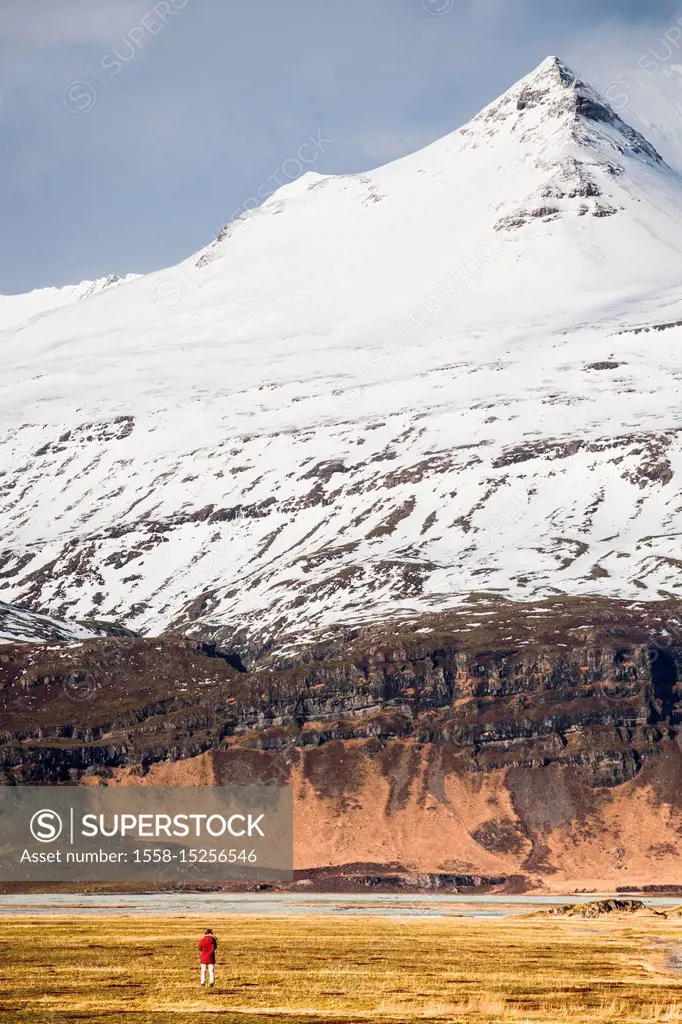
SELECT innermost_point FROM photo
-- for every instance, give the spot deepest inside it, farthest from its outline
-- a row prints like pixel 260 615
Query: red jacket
pixel 207 948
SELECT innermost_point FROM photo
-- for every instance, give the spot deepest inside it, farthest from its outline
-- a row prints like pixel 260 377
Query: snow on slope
pixel 18 625
pixel 17 309
pixel 374 395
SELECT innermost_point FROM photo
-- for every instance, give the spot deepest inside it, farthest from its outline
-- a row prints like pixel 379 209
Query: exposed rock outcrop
pixel 432 750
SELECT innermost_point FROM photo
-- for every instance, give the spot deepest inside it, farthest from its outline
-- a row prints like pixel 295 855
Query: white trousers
pixel 211 973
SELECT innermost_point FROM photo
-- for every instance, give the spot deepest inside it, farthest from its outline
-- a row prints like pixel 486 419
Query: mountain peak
pixel 559 125
pixel 554 81
pixel 554 66
pixel 564 126
pixel 563 97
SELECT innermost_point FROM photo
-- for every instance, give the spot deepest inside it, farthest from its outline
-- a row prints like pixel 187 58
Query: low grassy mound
pixel 598 908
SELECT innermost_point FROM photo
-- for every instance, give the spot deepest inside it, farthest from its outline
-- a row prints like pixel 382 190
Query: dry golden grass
pixel 370 970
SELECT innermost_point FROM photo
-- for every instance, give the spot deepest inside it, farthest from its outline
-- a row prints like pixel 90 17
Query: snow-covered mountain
pixel 18 309
pixel 18 625
pixel 375 395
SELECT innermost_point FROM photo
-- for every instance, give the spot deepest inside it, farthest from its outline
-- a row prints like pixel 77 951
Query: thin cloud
pixel 46 23
pixel 637 69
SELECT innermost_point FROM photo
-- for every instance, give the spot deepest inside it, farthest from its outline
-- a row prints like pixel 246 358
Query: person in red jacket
pixel 207 947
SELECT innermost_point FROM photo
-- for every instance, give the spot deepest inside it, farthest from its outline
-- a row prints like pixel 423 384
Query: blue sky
pixel 130 130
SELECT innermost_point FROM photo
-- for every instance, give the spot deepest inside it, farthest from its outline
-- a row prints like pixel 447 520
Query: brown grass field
pixel 295 969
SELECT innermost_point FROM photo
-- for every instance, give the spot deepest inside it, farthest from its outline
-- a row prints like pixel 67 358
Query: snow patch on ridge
pixel 18 309
pixel 18 625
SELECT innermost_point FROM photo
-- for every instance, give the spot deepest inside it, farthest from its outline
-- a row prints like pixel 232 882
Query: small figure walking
pixel 207 947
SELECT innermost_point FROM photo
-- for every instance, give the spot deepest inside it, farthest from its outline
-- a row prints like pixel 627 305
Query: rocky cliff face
pixel 518 746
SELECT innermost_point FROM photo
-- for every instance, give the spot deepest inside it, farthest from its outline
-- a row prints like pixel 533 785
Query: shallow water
pixel 291 904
